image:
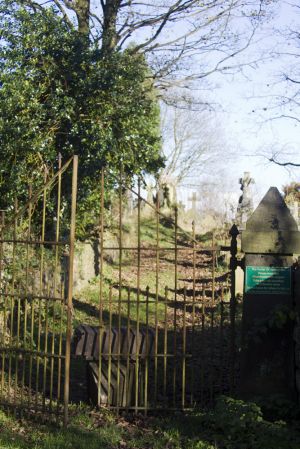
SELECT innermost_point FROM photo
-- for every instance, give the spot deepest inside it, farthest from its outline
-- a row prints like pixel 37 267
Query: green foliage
pixel 59 94
pixel 235 424
pixel 236 418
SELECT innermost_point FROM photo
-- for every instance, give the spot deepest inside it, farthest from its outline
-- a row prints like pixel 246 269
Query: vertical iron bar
pixel 193 316
pixel 70 291
pixel 57 230
pixel 59 369
pixel 39 327
pixel 17 344
pixel 221 339
pixel 118 348
pixel 203 358
pixel 31 346
pixel 212 347
pixel 13 281
pixel 156 301
pixel 184 350
pixel 4 340
pixel 175 308
pixel 41 290
pixel 213 266
pixel 46 349
pixel 233 264
pixel 138 300
pixel 56 274
pixel 147 352
pixel 3 290
pixel 101 327
pixel 128 397
pixel 25 305
pixel 12 308
pixel 109 347
pixel 165 344
pixel 53 333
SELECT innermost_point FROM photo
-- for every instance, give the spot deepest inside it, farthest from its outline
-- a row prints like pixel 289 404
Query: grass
pixel 231 425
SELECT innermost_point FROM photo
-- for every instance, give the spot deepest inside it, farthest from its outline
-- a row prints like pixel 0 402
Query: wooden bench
pixel 120 350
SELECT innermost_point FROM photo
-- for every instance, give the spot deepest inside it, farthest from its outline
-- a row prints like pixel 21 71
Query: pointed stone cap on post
pixel 271 229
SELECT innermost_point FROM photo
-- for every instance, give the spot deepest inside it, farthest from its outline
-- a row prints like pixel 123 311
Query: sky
pixel 245 95
pixel 246 110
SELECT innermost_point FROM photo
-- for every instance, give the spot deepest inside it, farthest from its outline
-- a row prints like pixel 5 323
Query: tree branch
pixel 287 78
pixel 64 13
pixel 283 164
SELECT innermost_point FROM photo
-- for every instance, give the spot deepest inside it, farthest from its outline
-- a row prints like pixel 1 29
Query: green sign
pixel 268 280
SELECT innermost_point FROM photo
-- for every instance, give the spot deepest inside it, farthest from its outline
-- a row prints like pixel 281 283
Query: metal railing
pixel 165 333
pixel 36 299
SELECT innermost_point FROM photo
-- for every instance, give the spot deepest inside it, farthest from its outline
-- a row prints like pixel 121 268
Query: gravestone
pixel 149 206
pixel 162 197
pixel 269 241
pixel 129 203
pixel 292 199
pixel 166 197
pixel 150 194
pixel 239 281
pixel 295 208
pixel 173 193
pixel 194 198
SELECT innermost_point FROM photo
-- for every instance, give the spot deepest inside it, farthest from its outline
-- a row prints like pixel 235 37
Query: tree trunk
pixel 82 10
pixel 110 36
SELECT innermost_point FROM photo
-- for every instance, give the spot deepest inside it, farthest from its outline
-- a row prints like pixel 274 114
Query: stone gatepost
pixel 269 241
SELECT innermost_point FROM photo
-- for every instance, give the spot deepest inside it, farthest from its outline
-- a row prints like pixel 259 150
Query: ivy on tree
pixel 59 93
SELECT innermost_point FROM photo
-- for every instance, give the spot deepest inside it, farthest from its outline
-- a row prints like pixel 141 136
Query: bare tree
pixel 283 164
pixel 218 199
pixel 286 156
pixel 280 102
pixel 175 34
pixel 193 144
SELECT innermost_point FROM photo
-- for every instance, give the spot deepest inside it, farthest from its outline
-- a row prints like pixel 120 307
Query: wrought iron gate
pixel 165 336
pixel 162 334
pixel 36 265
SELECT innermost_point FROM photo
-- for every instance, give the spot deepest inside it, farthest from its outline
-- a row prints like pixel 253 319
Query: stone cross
pixel 194 200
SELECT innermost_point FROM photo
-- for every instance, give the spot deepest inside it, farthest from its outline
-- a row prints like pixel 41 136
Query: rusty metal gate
pixel 36 258
pixel 164 333
pixel 159 329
